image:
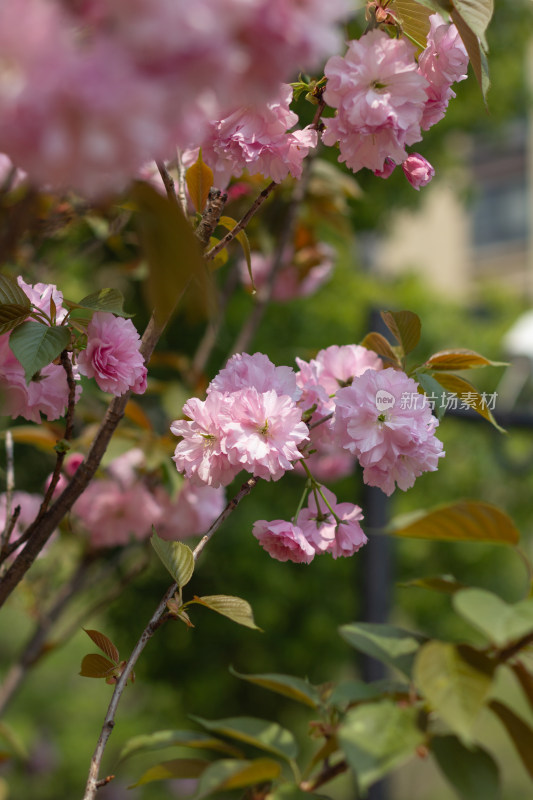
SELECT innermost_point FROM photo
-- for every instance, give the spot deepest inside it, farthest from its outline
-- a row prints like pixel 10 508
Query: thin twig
pixel 181 182
pixel 241 225
pixel 168 182
pixel 158 618
pixel 326 775
pixel 69 429
pixel 10 487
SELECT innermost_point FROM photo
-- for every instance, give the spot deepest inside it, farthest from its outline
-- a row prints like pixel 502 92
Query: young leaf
pixel 176 557
pixel 199 179
pixel 414 19
pixel 105 644
pixel 459 359
pixel 161 739
pixel 12 315
pixel 37 345
pixel 235 774
pixel 393 646
pixel 376 342
pixel 242 238
pixel 468 394
pixel 176 768
pixel 235 608
pixel 520 733
pixel 96 666
pixel 405 327
pixel 455 688
pixel 296 688
pixel 12 294
pixel 259 733
pixel 110 300
pixel 435 393
pixel 501 623
pixel 378 737
pixel 465 521
pixel 471 770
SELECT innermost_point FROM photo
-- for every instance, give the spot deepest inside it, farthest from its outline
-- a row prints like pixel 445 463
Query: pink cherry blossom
pixel 257 370
pixel 191 513
pixel 322 530
pixel 257 139
pixel 264 433
pixel 46 393
pixel 417 170
pixel 383 420
pixel 41 295
pixel 443 62
pixel 283 541
pixel 112 356
pixel 201 455
pixel 379 96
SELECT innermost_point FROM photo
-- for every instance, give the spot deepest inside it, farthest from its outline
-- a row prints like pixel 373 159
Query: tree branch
pixel 241 225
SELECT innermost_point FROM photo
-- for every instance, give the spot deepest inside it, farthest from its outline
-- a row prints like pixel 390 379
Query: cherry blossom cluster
pixel 91 90
pixel 266 419
pixel 112 357
pixel 384 98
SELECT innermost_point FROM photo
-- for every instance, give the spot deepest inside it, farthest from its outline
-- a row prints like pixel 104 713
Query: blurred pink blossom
pixel 283 541
pixel 112 355
pixel 302 273
pixel 191 513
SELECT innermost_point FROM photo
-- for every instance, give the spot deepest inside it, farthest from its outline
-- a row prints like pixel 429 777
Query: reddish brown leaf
pixel 105 644
pixel 96 666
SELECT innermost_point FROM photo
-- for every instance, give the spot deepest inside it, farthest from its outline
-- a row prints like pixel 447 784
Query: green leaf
pixel 260 733
pixel 199 179
pixel 405 327
pixel 176 738
pixel 12 315
pixel 501 623
pixel 460 359
pixel 378 737
pixel 464 521
pixel 37 345
pixel 476 51
pixel 393 646
pixel 229 223
pixel 455 688
pixel 520 733
pixel 441 583
pixel 96 666
pixel 435 393
pixel 105 644
pixel 235 608
pixel 296 688
pixel 177 768
pixel 467 394
pixel 477 15
pixel 525 678
pixel 176 557
pixel 109 300
pixel 471 770
pixel 173 252
pixel 361 692
pixel 378 344
pixel 235 774
pixel 12 295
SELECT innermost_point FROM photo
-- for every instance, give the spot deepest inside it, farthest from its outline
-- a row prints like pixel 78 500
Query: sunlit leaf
pixel 109 300
pixel 454 687
pixel 199 179
pixel 393 646
pixel 176 768
pixel 405 327
pixel 296 688
pixel 260 733
pixel 104 643
pixel 466 521
pixel 414 19
pixel 38 435
pixel 37 345
pixel 235 774
pixel 179 738
pixel 519 731
pixel 176 557
pixel 477 15
pixel 378 737
pixel 376 342
pixel 173 252
pixel 500 622
pixel 459 359
pixel 471 770
pixel 235 608
pixel 242 238
pixel 96 666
